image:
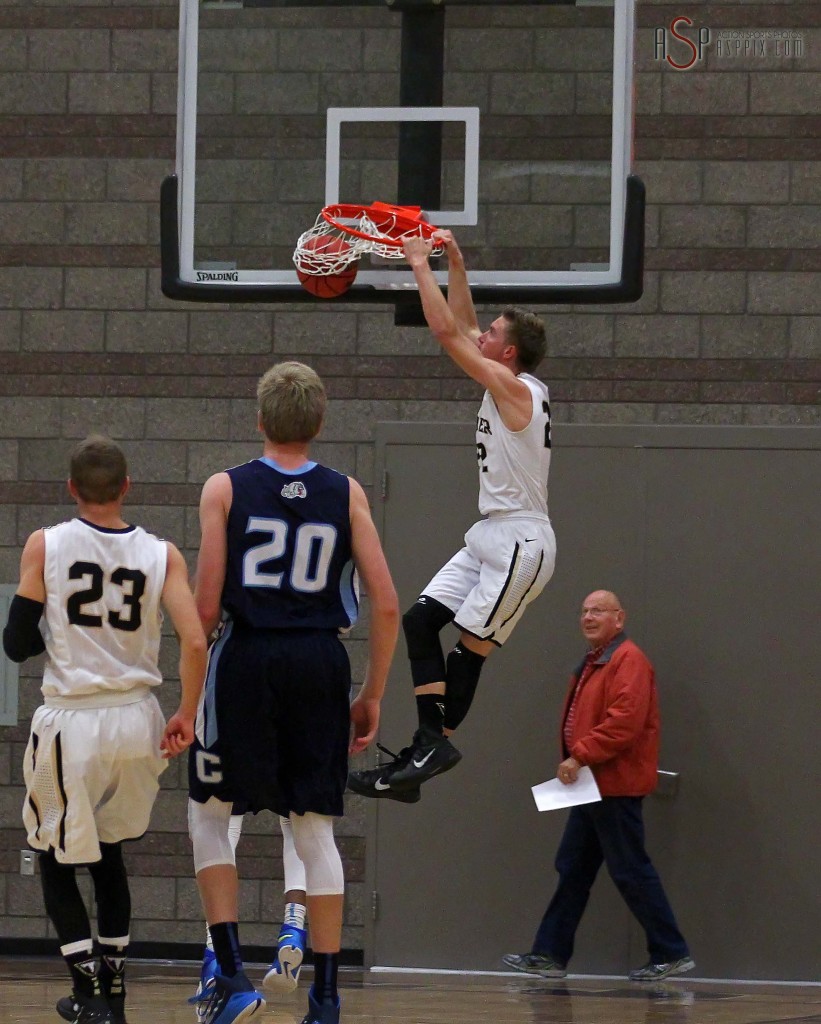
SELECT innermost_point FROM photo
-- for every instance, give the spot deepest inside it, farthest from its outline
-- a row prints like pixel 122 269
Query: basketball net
pixel 346 232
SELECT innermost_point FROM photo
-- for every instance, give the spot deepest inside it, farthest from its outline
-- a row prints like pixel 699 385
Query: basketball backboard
pixel 509 122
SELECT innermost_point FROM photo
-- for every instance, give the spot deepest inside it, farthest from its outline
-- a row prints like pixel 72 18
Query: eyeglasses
pixel 598 611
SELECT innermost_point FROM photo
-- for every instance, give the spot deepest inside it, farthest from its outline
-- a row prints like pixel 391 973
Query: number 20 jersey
pixel 102 614
pixel 290 564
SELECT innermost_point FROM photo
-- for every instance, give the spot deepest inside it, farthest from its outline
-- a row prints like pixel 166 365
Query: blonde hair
pixel 292 402
pixel 527 332
pixel 98 470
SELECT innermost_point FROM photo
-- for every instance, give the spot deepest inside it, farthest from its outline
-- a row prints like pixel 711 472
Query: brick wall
pixel 728 330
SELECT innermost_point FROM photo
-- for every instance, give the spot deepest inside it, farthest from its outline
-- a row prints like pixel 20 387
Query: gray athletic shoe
pixel 655 972
pixel 535 963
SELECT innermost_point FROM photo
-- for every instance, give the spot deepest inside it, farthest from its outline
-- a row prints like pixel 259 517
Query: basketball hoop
pixel 347 231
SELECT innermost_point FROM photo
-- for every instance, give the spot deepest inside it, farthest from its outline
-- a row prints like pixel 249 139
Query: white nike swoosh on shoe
pixel 380 785
pixel 425 759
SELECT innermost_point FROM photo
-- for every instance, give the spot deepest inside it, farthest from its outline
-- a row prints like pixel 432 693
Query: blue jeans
pixel 611 831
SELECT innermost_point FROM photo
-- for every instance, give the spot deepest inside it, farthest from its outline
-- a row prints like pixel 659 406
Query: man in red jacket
pixel 610 723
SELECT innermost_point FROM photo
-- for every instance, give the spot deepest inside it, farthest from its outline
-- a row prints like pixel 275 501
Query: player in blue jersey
pixel 281 539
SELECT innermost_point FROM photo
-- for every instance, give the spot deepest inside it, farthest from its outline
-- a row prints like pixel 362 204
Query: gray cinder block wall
pixel 727 331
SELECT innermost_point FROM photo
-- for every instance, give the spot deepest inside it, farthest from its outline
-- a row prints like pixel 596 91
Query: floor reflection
pixel 158 992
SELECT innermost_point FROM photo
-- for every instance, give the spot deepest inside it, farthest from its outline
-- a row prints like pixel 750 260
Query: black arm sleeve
pixel 21 637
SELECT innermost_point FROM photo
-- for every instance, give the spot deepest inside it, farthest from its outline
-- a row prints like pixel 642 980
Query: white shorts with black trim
pixel 505 563
pixel 91 776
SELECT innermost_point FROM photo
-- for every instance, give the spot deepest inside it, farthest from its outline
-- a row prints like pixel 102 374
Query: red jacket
pixel 616 721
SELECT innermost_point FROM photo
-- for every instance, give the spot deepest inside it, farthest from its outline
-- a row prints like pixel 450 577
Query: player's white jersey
pixel 102 615
pixel 514 465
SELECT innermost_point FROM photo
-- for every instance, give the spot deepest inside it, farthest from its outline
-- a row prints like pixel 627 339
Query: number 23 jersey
pixel 102 614
pixel 290 563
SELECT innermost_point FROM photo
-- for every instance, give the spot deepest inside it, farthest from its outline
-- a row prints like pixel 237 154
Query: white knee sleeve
pixel 315 845
pixel 294 868
pixel 208 828
pixel 235 830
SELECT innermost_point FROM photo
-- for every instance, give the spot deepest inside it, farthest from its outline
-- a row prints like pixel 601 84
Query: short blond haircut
pixel 98 470
pixel 527 332
pixel 292 402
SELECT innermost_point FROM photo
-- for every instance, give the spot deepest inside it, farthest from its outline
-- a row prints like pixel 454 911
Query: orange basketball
pixel 328 286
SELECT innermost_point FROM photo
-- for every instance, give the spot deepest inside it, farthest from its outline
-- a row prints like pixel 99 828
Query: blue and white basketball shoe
pixel 326 1012
pixel 284 973
pixel 208 973
pixel 228 1000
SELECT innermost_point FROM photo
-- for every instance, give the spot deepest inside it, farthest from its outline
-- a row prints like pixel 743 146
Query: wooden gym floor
pixel 157 995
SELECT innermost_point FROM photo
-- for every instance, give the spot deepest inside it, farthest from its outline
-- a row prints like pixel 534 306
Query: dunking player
pixel 280 539
pixel 508 557
pixel 93 759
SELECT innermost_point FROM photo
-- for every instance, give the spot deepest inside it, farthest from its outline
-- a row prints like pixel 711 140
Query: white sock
pixel 294 915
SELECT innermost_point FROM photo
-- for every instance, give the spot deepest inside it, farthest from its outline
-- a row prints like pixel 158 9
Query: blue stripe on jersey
pixel 209 733
pixel 347 593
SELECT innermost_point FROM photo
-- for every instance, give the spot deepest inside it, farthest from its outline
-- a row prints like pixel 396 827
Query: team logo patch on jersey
pixel 296 489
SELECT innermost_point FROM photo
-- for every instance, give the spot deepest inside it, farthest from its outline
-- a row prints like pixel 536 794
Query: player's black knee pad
pixel 422 623
pixel 461 679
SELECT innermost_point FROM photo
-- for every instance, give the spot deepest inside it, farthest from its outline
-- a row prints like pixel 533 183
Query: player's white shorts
pixel 91 776
pixel 505 563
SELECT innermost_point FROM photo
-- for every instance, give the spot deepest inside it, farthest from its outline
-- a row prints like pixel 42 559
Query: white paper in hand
pixel 552 795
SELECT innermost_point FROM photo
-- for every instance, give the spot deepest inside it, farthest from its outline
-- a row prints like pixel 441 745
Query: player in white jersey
pixel 90 596
pixel 509 555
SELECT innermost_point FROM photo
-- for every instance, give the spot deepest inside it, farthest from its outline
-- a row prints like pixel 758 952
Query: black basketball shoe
pixel 80 1009
pixel 430 754
pixel 376 782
